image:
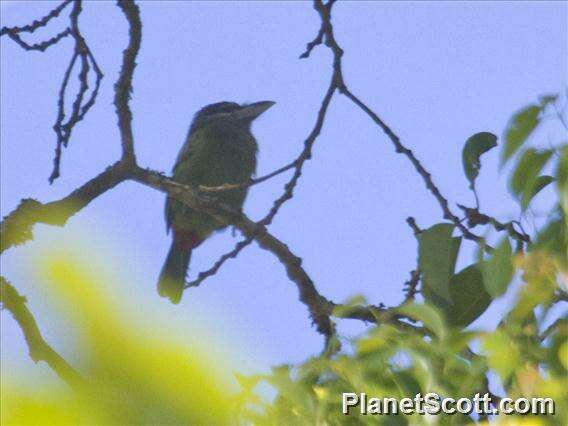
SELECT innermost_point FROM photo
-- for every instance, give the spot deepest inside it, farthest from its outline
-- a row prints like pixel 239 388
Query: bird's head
pixel 244 114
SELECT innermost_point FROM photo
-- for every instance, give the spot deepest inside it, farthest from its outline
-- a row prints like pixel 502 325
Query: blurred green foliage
pixel 528 356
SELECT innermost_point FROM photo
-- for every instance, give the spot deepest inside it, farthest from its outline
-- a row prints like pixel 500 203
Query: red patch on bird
pixel 186 240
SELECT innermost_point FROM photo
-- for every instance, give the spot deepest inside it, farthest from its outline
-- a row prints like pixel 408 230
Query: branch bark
pixel 16 228
pixel 123 87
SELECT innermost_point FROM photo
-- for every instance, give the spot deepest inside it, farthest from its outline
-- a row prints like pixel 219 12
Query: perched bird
pixel 219 148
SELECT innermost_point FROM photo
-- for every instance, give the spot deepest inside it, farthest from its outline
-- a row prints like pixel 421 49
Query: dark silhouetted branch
pixel 16 228
pixel 41 46
pixel 62 128
pixel 411 286
pixel 123 87
pixel 330 41
pixel 36 24
pixel 475 217
pixel 317 304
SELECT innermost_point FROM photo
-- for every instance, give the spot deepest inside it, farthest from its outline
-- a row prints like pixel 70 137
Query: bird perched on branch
pixel 219 148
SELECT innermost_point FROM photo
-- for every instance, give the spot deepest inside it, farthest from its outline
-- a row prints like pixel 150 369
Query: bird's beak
pixel 252 111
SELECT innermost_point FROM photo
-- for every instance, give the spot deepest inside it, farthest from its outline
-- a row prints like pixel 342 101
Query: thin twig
pixel 426 176
pixel 252 182
pixel 42 46
pixel 58 126
pixel 36 24
pixel 410 287
pixel 475 217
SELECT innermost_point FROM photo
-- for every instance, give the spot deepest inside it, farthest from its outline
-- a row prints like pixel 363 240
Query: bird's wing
pixel 184 157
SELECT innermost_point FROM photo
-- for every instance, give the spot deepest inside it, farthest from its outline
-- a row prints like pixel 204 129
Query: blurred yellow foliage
pixel 133 375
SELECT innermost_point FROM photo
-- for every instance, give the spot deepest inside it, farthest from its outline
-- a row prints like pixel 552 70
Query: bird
pixel 219 148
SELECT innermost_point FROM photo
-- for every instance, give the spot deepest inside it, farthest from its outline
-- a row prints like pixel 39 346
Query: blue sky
pixel 436 72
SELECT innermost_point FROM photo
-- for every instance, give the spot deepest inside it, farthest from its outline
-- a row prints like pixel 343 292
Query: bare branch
pixel 320 35
pixel 42 46
pixel 413 225
pixel 123 87
pixel 191 197
pixel 82 51
pixel 202 276
pixel 475 217
pixel 38 348
pixel 36 24
pixel 426 176
pixel 16 228
pixel 325 14
pixel 312 44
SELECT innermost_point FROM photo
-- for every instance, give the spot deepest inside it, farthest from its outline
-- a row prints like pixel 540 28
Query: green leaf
pixel 469 297
pixel 554 237
pixel 503 353
pixel 498 270
pixel 562 177
pixel 437 256
pixel 474 147
pixel 427 314
pixel 406 382
pixel 540 183
pixel 527 170
pixel 519 129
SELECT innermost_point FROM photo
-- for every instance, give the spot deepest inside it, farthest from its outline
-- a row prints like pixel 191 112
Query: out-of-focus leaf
pixel 349 305
pixel 427 314
pixel 437 257
pixel 474 147
pixel 527 170
pixel 498 270
pixel 519 129
pixel 469 297
pixel 248 382
pixel 540 183
pixel 563 355
pixel 554 237
pixel 406 382
pixel 562 177
pixel 504 355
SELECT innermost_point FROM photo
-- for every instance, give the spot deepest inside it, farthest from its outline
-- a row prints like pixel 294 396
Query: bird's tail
pixel 172 277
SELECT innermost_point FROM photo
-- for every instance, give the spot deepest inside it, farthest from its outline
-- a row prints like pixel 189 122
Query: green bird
pixel 219 148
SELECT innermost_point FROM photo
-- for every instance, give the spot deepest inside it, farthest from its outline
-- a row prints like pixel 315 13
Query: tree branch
pixel 308 294
pixel 16 228
pixel 325 15
pixel 251 182
pixel 123 87
pixel 38 348
pixel 36 24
